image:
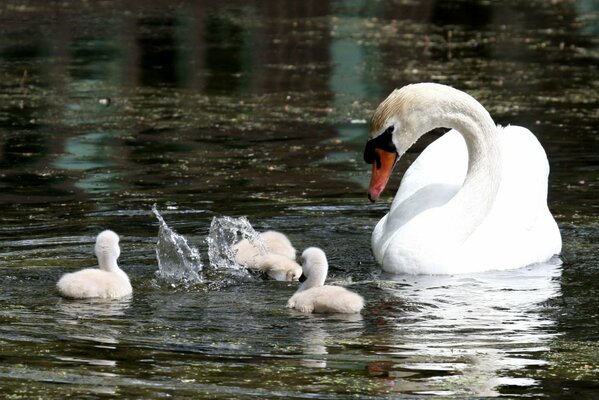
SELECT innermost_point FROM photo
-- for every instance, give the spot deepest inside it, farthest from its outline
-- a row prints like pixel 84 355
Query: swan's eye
pixel 384 141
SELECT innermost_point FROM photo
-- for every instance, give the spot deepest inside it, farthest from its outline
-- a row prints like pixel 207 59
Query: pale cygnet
pixel 278 262
pixel 278 243
pixel 314 296
pixel 279 267
pixel 107 282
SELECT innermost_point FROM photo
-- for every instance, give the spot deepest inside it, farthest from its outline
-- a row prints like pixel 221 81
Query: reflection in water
pixel 93 341
pixel 318 332
pixel 471 332
pixel 228 51
pixel 93 152
pixel 94 308
pixel 315 345
pixel 158 51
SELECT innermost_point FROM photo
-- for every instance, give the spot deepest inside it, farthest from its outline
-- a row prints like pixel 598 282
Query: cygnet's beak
pixel 302 278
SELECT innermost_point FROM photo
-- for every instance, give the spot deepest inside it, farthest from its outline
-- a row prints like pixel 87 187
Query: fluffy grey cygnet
pixel 107 282
pixel 279 261
pixel 314 296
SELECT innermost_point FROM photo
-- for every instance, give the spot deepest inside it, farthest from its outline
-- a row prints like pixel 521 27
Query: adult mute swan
pixel 279 260
pixel 474 200
pixel 108 282
pixel 314 296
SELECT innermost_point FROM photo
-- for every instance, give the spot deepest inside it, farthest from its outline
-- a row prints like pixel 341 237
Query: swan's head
pixel 397 123
pixel 107 246
pixel 315 267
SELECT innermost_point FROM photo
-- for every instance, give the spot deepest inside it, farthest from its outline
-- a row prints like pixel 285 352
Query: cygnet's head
pixel 107 246
pixel 294 271
pixel 279 267
pixel 315 267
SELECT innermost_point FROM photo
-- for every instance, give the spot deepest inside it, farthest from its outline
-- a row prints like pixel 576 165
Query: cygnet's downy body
pixel 314 296
pixel 107 282
pixel 278 243
pixel 279 260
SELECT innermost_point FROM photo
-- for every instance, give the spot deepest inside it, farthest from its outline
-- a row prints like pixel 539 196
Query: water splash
pixel 224 233
pixel 178 262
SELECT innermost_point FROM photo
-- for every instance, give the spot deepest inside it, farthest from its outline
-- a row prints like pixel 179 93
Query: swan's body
pixel 474 200
pixel 108 282
pixel 314 296
pixel 279 260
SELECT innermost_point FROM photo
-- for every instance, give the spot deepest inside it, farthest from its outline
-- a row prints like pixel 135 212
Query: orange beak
pixel 381 171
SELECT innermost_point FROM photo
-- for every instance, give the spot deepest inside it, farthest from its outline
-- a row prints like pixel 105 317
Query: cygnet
pixel 107 282
pixel 278 267
pixel 314 296
pixel 278 262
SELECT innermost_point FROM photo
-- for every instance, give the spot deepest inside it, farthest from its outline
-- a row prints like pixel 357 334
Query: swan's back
pixel 520 230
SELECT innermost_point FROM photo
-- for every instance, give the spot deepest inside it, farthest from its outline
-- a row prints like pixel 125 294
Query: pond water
pixel 260 109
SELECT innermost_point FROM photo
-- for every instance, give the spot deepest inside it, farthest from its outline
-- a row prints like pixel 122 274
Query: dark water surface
pixel 260 109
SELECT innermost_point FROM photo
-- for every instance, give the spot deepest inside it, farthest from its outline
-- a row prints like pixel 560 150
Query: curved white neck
pixel 316 277
pixel 474 200
pixel 432 106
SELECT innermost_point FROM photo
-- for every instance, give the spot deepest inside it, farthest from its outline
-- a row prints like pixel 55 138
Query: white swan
pixel 474 200
pixel 278 262
pixel 108 282
pixel 314 296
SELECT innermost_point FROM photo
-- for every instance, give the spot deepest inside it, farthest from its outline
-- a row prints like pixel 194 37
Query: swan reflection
pixel 468 334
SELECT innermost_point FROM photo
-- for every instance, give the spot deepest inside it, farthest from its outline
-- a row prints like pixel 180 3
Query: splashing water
pixel 178 262
pixel 224 233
